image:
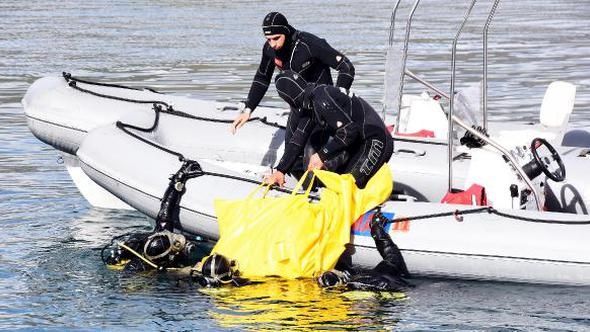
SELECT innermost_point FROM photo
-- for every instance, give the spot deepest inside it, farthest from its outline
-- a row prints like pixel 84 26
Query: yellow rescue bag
pixel 289 236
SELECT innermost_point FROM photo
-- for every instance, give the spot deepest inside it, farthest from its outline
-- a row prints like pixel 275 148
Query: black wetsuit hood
pixel 275 23
pixel 292 88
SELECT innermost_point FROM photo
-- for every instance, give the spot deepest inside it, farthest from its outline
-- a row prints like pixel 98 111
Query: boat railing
pixel 452 93
pixel 396 63
pixel 394 83
pixel 484 93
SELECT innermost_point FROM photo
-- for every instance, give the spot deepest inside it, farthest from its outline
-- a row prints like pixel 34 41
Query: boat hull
pixel 482 245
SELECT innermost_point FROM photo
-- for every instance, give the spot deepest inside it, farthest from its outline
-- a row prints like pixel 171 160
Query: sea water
pixel 51 275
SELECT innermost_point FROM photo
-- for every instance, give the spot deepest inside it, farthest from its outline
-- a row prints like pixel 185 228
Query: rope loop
pixel 460 214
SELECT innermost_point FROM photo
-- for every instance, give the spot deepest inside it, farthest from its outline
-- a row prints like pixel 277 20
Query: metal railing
pixel 452 118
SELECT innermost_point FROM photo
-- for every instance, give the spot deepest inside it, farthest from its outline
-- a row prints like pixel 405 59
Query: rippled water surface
pixel 51 276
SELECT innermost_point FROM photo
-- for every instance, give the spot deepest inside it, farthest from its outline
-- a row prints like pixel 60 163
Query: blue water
pixel 51 275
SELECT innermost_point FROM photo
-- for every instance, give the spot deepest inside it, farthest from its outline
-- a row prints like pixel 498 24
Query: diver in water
pixel 161 249
pixel 217 270
pixel 389 275
pixel 289 49
pixel 335 131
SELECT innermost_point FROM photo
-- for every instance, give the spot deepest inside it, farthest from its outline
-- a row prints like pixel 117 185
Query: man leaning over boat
pixel 289 49
pixel 345 134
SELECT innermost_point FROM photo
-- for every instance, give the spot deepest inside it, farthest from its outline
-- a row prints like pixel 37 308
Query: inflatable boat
pixel 139 145
pixel 513 206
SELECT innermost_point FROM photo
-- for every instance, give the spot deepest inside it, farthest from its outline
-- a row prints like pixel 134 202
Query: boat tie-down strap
pixel 458 215
pixel 72 82
pixel 69 78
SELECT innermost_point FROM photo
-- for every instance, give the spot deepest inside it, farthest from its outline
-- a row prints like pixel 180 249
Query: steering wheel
pixel 544 161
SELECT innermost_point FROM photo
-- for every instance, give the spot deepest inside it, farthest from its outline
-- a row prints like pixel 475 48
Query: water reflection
pixel 300 305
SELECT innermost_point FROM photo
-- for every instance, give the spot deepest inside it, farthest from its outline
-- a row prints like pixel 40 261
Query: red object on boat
pixel 475 195
pixel 421 133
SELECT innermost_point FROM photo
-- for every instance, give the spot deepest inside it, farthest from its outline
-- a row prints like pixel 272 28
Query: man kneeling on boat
pixel 336 131
pixel 388 275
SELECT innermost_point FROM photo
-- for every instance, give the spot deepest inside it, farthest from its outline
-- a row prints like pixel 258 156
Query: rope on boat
pixel 125 128
pixel 157 107
pixel 458 214
pixel 69 77
pixel 169 109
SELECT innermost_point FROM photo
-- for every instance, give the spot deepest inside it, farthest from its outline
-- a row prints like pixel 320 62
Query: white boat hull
pixel 482 246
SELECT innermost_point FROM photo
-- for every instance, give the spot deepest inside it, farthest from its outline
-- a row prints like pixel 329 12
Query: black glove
pixel 378 220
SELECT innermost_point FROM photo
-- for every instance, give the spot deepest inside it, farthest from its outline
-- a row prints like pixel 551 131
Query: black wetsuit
pixel 352 138
pixel 388 275
pixel 166 221
pixel 306 54
pixel 311 57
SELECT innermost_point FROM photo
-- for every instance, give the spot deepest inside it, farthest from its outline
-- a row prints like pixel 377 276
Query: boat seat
pixel 422 116
pixel 489 170
pixel 556 108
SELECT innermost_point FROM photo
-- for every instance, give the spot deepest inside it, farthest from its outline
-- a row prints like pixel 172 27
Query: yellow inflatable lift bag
pixel 289 236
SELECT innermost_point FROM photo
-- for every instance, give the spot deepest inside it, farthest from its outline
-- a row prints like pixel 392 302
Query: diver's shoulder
pixel 308 37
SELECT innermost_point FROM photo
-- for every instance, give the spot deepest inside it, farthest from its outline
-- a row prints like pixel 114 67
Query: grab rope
pixel 125 128
pixel 158 107
pixel 458 214
pixel 69 77
pixel 169 109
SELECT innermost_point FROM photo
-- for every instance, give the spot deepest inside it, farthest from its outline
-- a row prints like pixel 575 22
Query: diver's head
pixel 291 87
pixel 276 30
pixel 218 267
pixel 163 245
pixel 333 279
